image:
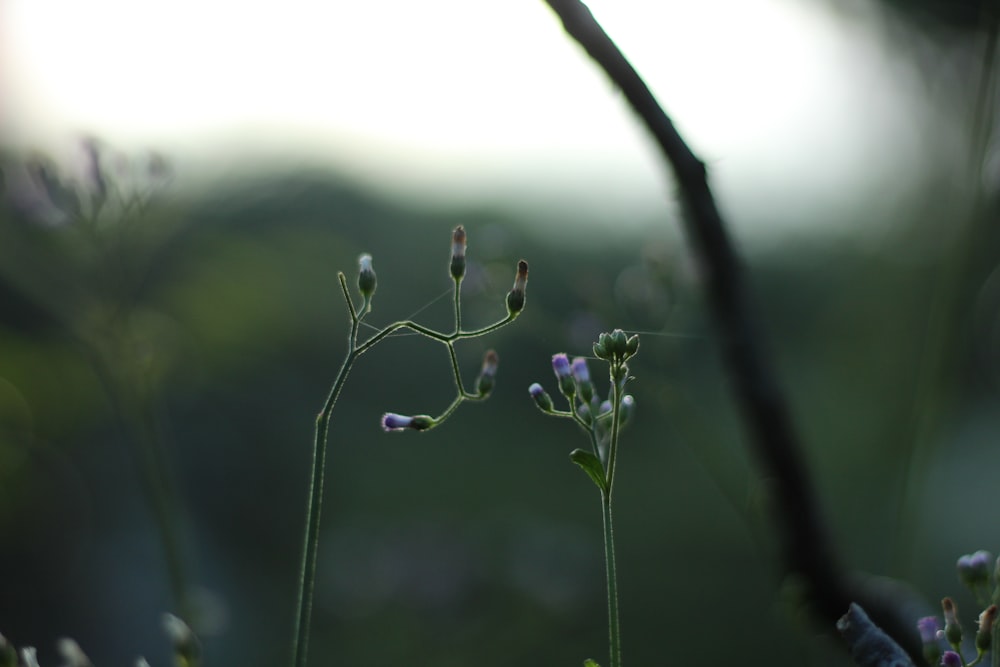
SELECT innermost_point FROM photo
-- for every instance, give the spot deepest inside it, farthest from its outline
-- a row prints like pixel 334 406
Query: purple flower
pixel 564 373
pixel 584 386
pixel 560 364
pixel 928 627
pixel 393 422
pixel 951 659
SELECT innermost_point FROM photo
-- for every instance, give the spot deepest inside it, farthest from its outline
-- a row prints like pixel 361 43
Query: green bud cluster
pixel 616 346
pixel 594 416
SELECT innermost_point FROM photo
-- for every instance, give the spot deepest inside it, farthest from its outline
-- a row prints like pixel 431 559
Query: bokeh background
pixel 182 184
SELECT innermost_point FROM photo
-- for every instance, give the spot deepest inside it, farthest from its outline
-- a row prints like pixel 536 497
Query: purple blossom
pixel 928 627
pixel 951 659
pixel 560 364
pixel 393 422
pixel 580 370
pixel 535 390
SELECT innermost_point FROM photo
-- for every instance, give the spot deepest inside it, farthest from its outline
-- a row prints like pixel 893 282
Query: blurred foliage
pixel 163 356
pixel 219 319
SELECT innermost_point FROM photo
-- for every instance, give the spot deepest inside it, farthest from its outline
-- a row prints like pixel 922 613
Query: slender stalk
pixel 307 573
pixel 310 548
pixel 614 632
pixel 616 416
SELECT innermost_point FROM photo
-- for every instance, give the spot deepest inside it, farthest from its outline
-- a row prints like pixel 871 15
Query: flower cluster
pixel 596 416
pixel 980 573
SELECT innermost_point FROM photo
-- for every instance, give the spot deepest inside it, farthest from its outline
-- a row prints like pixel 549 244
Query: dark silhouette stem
pixel 807 549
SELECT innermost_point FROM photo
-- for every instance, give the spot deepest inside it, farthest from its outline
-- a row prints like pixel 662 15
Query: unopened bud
pixel 561 367
pixel 627 409
pixel 487 376
pixel 583 411
pixel 393 422
pixel 929 627
pixel 541 398
pixel 952 629
pixel 366 276
pixel 951 659
pixel 515 298
pixel 581 374
pixel 985 634
pixel 602 348
pixel 974 569
pixel 632 345
pixel 458 253
pixel 619 343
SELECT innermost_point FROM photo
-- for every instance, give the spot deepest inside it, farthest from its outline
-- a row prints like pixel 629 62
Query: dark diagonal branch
pixel 807 548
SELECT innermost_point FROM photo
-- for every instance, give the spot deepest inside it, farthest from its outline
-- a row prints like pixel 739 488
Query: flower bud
pixel 458 253
pixel 366 276
pixel 619 344
pixel 515 298
pixel 974 569
pixel 951 659
pixel 952 629
pixel 632 345
pixel 602 348
pixel 561 366
pixel 929 627
pixel 581 374
pixel 627 409
pixel 985 634
pixel 487 376
pixel 393 422
pixel 541 398
pixel 583 411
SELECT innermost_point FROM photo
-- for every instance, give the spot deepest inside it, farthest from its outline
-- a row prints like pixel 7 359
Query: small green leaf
pixel 590 662
pixel 590 464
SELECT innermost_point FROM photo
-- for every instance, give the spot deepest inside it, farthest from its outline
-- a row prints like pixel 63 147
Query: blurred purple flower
pixel 929 627
pixel 951 659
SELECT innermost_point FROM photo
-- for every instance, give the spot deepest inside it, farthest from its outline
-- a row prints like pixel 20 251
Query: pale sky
pixel 468 99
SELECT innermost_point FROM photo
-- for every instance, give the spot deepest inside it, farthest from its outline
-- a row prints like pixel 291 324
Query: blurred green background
pixel 162 363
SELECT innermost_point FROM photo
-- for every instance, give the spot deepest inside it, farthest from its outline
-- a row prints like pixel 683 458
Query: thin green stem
pixel 614 632
pixel 307 573
pixel 458 305
pixel 616 408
